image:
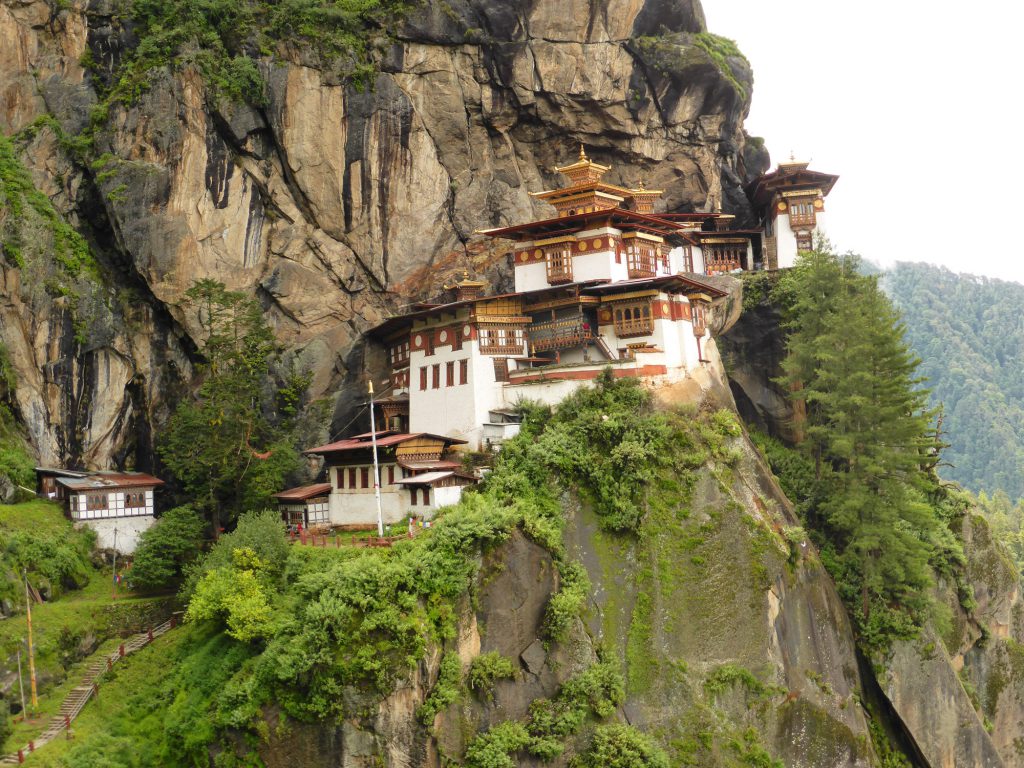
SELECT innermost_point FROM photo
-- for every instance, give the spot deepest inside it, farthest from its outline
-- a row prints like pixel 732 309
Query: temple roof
pixel 788 176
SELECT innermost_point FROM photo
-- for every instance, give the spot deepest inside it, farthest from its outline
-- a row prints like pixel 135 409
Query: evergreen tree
pixel 867 427
pixel 231 446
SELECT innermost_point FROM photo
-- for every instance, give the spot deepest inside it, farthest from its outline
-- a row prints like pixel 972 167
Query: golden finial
pixel 465 274
pixel 792 156
pixel 641 186
pixel 583 153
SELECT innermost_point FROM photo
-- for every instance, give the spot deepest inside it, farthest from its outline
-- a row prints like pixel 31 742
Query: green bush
pixel 487 668
pixel 445 690
pixel 166 549
pixel 495 748
pixel 622 746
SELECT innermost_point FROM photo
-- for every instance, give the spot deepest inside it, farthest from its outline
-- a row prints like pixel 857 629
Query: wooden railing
pixel 559 334
pixel 718 259
pixel 641 326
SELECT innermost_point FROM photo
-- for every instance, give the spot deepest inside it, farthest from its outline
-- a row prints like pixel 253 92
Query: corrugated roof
pixel 110 481
pixel 421 465
pixel 304 492
pixel 427 478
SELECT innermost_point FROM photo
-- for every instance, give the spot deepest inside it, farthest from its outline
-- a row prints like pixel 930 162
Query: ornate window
pixel 633 319
pixel 502 340
pixel 559 263
pixel 398 354
pixel 699 317
pixel 804 241
pixel 719 258
pixel 641 258
pixel 96 501
pixel 501 369
pixel 801 213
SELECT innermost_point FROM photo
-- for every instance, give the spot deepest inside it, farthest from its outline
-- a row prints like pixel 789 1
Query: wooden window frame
pixel 449 373
pixel 364 477
pixel 558 262
pixel 352 478
pixel 435 376
pixel 633 318
pixel 423 378
pixel 463 372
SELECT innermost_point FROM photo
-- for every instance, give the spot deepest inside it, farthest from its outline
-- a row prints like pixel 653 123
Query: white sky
pixel 915 104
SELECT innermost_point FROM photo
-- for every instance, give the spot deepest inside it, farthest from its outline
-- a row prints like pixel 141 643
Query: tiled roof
pixel 110 481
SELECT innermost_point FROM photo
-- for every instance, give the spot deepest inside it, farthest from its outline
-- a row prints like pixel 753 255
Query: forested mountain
pixel 969 333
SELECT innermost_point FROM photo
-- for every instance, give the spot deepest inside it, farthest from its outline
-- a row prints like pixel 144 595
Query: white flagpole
pixel 376 466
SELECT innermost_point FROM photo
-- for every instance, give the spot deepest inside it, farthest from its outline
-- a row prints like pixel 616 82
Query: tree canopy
pixel 867 429
pixel 232 445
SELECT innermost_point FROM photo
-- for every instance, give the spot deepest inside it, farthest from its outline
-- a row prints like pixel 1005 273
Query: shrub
pixel 165 549
pixel 494 748
pixel 622 746
pixel 485 669
pixel 445 690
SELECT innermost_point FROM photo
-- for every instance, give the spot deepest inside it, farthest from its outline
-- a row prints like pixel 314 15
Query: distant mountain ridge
pixel 969 332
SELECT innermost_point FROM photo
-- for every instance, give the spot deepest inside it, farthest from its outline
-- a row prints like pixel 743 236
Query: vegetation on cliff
pixel 969 334
pixel 233 444
pixel 865 474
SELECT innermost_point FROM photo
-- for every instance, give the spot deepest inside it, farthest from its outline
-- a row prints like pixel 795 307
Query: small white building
pixel 791 203
pixel 418 476
pixel 117 505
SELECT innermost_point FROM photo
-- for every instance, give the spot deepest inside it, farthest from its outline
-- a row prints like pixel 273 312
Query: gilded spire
pixel 583 153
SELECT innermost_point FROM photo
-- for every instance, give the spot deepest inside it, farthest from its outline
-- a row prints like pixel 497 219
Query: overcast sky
pixel 916 105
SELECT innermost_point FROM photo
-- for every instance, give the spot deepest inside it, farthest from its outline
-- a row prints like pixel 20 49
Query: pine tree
pixel 868 429
pixel 230 447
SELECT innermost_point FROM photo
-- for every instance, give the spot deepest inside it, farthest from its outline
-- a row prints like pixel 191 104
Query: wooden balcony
pixel 641 261
pixel 559 334
pixel 720 259
pixel 641 326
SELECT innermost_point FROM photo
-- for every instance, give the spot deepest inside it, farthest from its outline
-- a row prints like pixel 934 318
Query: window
pixel 801 213
pixel 339 478
pixel 398 354
pixel 698 313
pixel 641 259
pixel 502 340
pixel 426 497
pixel 687 264
pixel 449 374
pixel 463 371
pixel 412 492
pixel 365 476
pixel 428 344
pixel 436 378
pixel 501 369
pixel 135 500
pixel 559 263
pixel 351 477
pixel 724 257
pixel 391 474
pixel 456 334
pixel 633 319
pixel 96 501
pixel 804 241
pixel 423 378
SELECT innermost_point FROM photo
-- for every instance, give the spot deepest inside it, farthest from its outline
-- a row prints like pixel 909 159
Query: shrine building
pixel 603 283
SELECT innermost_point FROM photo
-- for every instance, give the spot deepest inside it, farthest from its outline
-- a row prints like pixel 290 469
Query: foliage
pixel 597 690
pixel 720 49
pixel 969 334
pixel 1006 520
pixel 867 431
pixel 446 689
pixel 726 676
pixel 567 603
pixel 229 449
pixel 486 669
pixel 494 748
pixel 166 548
pixel 621 746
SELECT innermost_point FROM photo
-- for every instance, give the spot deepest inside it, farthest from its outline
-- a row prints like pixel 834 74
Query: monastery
pixel 604 283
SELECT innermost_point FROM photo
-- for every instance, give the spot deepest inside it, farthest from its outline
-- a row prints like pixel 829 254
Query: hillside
pixel 969 334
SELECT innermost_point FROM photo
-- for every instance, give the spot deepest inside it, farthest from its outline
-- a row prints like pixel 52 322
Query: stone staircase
pixel 88 687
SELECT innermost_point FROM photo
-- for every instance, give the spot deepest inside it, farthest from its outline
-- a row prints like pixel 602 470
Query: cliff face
pixel 334 206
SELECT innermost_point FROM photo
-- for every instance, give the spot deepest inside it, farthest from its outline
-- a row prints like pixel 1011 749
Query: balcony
pixel 559 334
pixel 559 265
pixel 641 326
pixel 507 341
pixel 641 260
pixel 719 259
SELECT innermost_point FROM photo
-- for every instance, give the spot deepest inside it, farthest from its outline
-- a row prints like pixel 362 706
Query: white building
pixel 418 476
pixel 117 505
pixel 791 203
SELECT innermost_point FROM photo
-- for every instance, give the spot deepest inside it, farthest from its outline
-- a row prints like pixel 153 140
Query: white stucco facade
pixel 120 533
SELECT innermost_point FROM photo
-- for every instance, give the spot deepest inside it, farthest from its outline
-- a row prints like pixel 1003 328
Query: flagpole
pixel 114 596
pixel 376 466
pixel 31 654
pixel 21 687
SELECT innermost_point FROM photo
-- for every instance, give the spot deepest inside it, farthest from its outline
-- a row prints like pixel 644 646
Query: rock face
pixel 334 206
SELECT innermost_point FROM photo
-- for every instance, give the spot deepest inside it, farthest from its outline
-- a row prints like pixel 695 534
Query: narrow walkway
pixel 85 690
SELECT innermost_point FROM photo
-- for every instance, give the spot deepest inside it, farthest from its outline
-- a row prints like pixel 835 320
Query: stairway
pixel 79 696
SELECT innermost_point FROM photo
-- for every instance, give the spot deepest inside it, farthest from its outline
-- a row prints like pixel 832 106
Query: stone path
pixel 85 690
